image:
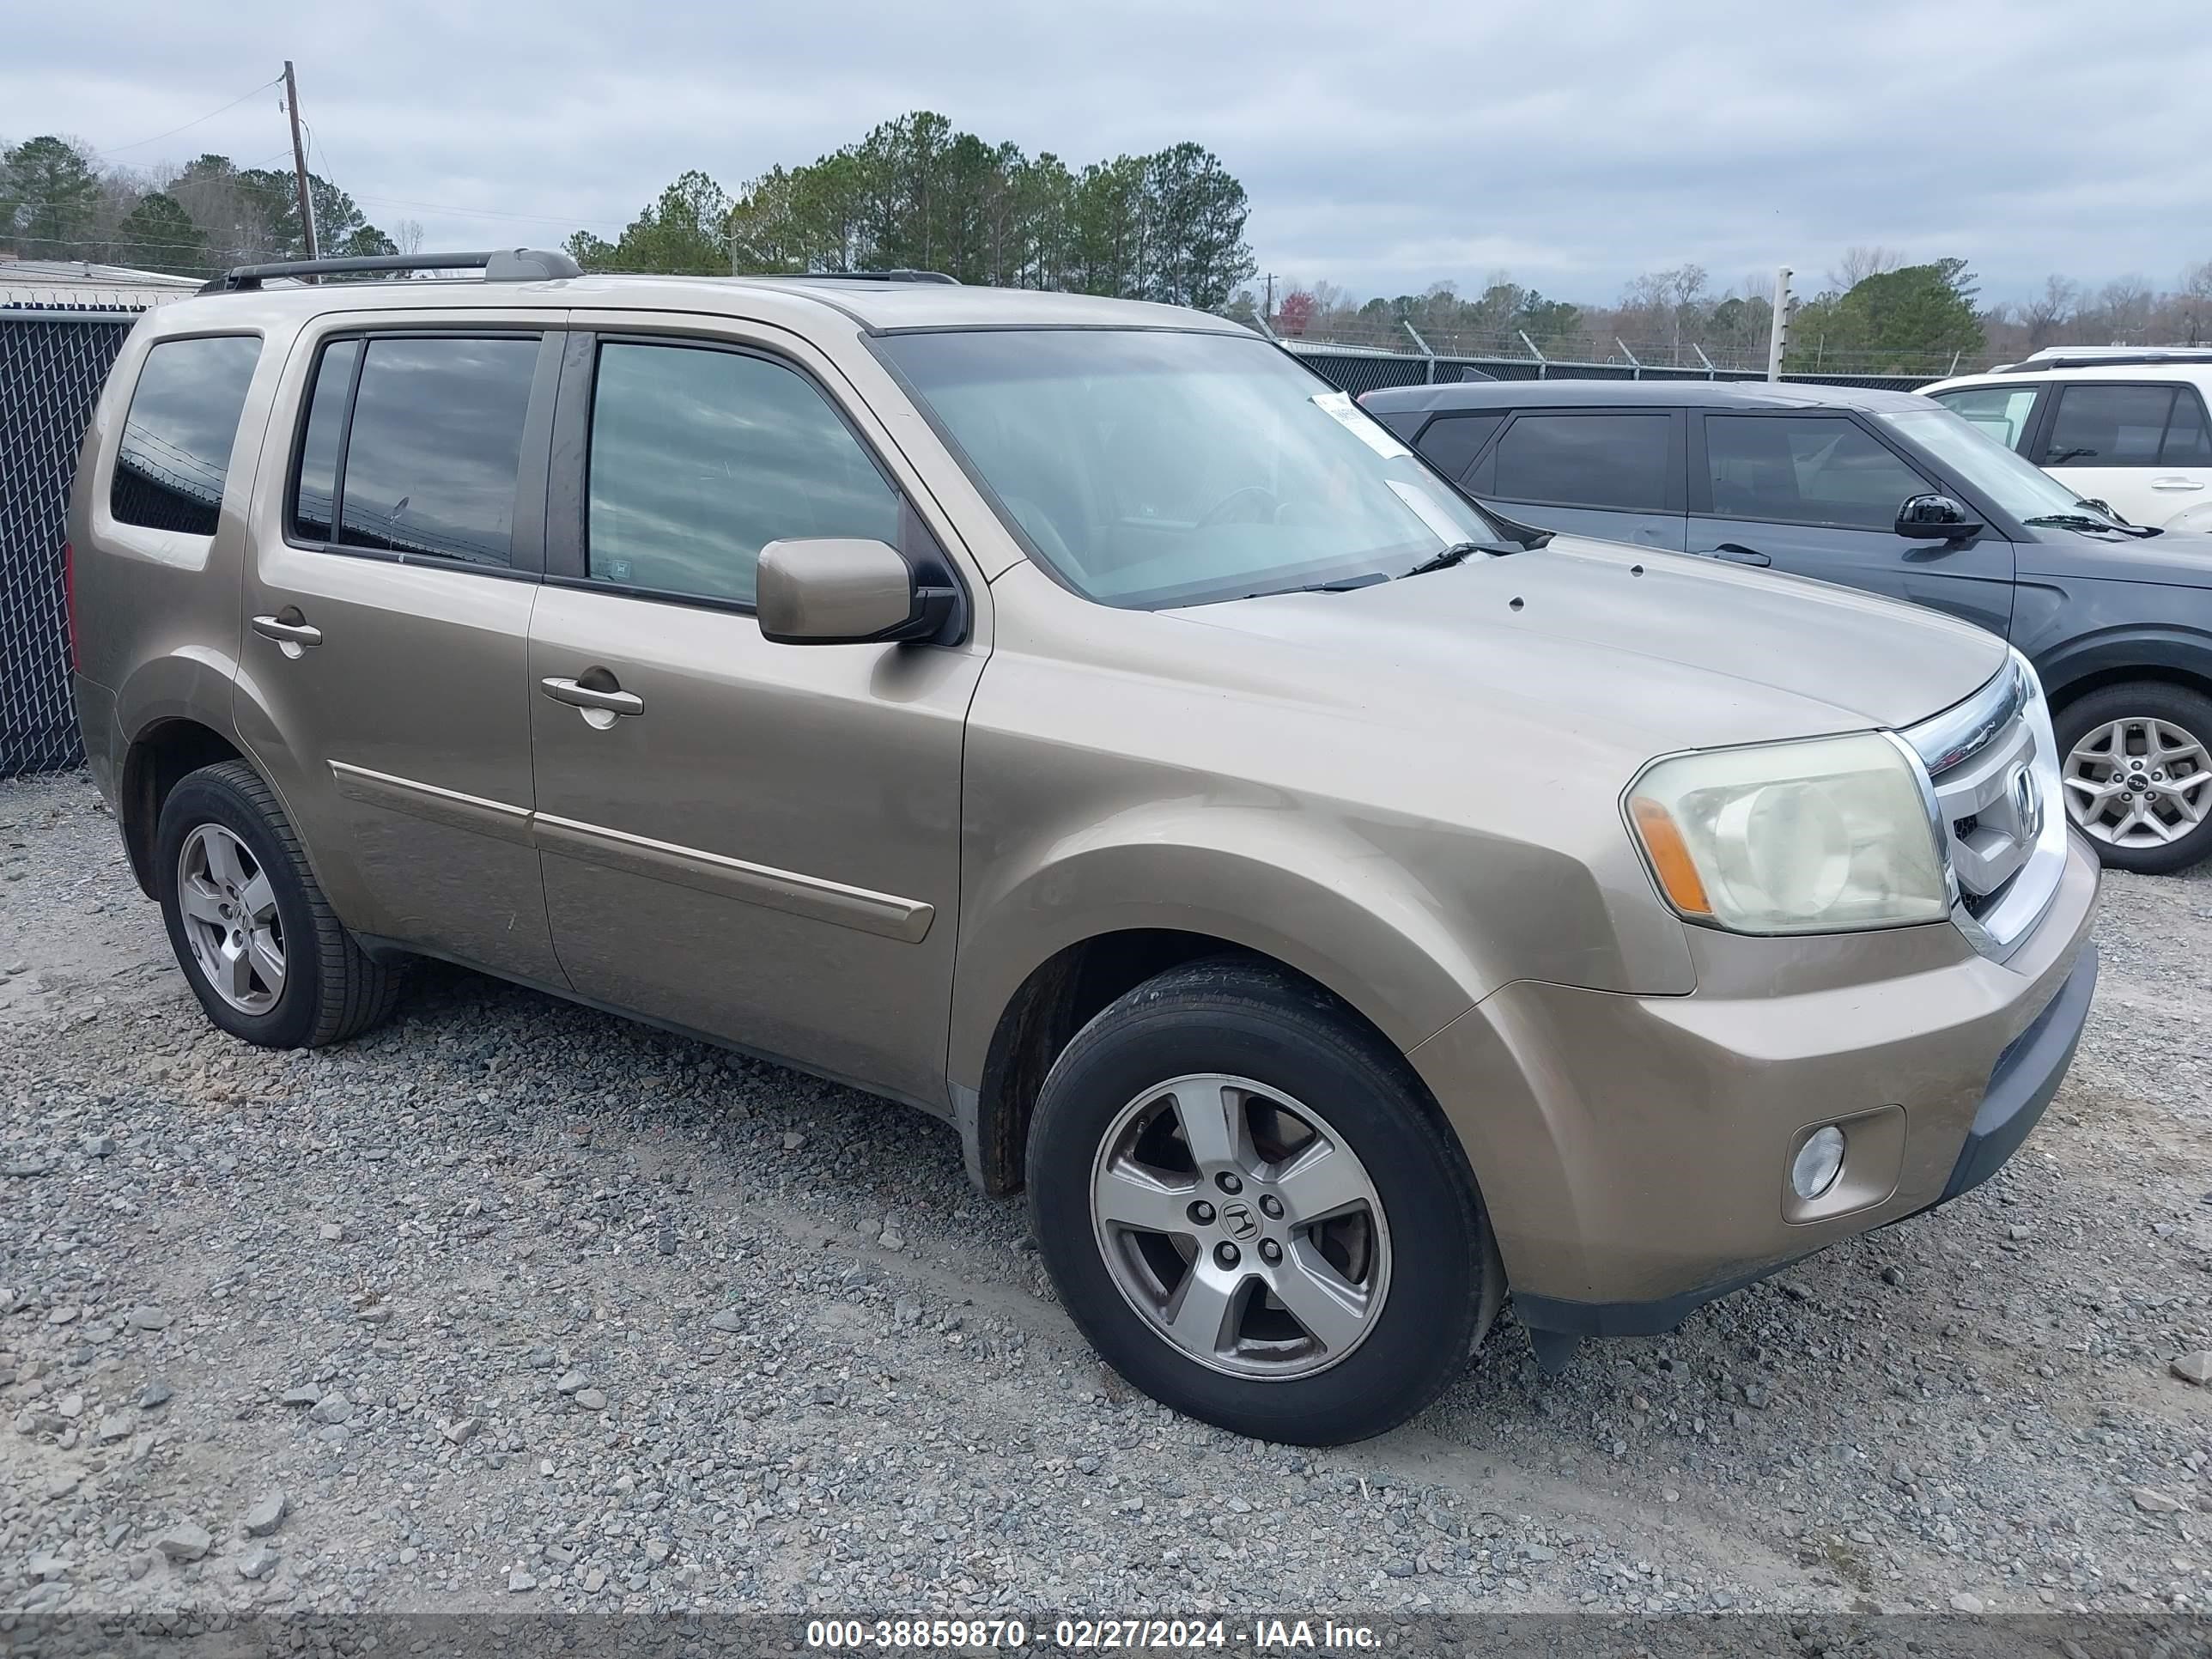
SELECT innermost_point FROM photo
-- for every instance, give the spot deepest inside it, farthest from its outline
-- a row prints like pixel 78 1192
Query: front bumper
pixel 1633 1152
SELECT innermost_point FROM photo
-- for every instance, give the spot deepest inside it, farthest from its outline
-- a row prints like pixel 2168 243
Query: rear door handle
pixel 1737 554
pixel 2177 484
pixel 562 689
pixel 292 635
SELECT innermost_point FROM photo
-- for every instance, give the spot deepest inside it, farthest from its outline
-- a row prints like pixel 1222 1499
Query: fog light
pixel 1819 1162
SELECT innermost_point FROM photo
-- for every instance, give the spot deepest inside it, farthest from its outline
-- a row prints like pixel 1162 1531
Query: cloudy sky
pixel 1384 147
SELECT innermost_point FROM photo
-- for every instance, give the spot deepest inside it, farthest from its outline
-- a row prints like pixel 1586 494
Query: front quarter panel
pixel 1127 771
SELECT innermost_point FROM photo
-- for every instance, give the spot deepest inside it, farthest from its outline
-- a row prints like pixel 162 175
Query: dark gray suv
pixel 1891 492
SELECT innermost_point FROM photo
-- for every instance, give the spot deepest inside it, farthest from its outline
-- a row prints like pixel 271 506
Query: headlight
pixel 1828 836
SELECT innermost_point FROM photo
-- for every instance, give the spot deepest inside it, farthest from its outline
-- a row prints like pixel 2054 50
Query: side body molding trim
pixel 884 913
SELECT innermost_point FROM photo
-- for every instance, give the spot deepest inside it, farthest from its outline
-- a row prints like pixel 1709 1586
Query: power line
pixel 137 143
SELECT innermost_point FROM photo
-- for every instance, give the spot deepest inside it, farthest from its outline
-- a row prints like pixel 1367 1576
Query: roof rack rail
pixel 2105 357
pixel 876 277
pixel 515 264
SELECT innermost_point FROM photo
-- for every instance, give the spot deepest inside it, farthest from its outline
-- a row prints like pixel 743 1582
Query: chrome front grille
pixel 1992 765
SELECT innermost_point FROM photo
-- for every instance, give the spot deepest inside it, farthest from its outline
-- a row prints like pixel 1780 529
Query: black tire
pixel 1252 1020
pixel 332 990
pixel 2142 700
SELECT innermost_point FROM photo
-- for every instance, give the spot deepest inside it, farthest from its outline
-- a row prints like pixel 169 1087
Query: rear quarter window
pixel 174 458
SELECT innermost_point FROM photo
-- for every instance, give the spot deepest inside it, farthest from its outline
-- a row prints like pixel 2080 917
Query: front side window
pixel 2109 426
pixel 699 459
pixel 1617 461
pixel 412 446
pixel 1809 470
pixel 182 419
pixel 2002 476
pixel 2002 411
pixel 1148 468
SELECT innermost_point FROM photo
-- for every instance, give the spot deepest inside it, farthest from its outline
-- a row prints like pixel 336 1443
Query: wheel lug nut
pixel 1226 1253
pixel 1272 1208
pixel 1202 1213
pixel 1229 1183
pixel 1270 1252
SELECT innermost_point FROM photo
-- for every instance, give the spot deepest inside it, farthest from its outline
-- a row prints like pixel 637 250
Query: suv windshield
pixel 2016 486
pixel 1149 468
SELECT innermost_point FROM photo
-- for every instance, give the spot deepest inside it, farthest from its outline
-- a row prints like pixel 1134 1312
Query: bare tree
pixel 407 235
pixel 2193 302
pixel 1860 263
pixel 2125 303
pixel 2048 315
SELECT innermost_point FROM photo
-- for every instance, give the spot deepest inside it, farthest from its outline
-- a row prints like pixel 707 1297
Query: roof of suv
pixel 1725 394
pixel 878 306
pixel 2134 367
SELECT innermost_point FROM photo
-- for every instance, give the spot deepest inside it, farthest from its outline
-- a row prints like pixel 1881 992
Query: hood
pixel 1679 652
pixel 2181 558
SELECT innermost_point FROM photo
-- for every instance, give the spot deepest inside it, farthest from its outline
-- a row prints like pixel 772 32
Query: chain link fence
pixel 52 364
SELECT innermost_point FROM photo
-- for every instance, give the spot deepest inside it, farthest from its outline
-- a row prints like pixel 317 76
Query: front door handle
pixel 1735 554
pixel 292 633
pixel 2177 484
pixel 577 695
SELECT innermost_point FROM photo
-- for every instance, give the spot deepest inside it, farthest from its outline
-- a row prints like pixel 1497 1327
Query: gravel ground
pixel 513 1305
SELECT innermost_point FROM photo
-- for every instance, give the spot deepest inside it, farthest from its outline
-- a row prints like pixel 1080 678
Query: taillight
pixel 69 601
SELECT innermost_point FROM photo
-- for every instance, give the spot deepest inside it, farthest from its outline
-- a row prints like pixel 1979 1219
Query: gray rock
pixel 1965 1601
pixel 2194 1367
pixel 594 1581
pixel 266 1514
pixel 155 1395
pixel 184 1542
pixel 332 1409
pixel 258 1563
pixel 61 1484
pixel 305 1394
pixel 72 1406
pixel 332 1232
pixel 519 1580
pixel 47 1568
pixel 591 1400
pixel 792 1141
pixel 1893 1274
pixel 64 1315
pixel 571 1381
pixel 907 1310
pixel 2155 1502
pixel 540 1358
pixel 727 1320
pixel 114 1426
pixel 96 1145
pixel 460 1432
pixel 139 1565
pixel 148 1319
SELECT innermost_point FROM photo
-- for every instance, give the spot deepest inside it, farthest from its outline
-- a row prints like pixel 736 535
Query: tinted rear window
pixel 435 446
pixel 1450 442
pixel 1587 460
pixel 175 455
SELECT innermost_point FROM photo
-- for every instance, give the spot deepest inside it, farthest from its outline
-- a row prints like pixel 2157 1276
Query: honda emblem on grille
pixel 2026 803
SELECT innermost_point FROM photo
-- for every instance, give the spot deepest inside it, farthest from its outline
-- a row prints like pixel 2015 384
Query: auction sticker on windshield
pixel 1357 422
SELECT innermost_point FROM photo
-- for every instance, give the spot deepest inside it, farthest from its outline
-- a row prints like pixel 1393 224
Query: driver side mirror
pixel 832 590
pixel 1935 518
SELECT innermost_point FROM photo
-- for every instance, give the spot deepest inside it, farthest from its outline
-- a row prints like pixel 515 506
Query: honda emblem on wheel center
pixel 1238 1221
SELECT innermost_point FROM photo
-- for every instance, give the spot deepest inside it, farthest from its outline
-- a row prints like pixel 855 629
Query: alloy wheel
pixel 1238 1222
pixel 228 910
pixel 2138 783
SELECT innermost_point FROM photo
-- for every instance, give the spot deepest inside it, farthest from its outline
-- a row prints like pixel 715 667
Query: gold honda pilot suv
pixel 1338 906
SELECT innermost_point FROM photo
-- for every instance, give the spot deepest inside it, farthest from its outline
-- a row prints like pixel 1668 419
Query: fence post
pixel 1711 374
pixel 1633 362
pixel 1428 357
pixel 1778 326
pixel 1543 366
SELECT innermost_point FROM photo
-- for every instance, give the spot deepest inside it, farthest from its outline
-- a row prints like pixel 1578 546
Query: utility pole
pixel 1777 334
pixel 1270 312
pixel 299 159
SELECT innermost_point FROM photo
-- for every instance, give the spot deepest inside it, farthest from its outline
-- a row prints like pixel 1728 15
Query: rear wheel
pixel 268 959
pixel 2137 775
pixel 1251 1208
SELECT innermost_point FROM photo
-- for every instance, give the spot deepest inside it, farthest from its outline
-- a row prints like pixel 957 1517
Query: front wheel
pixel 1252 1209
pixel 2137 775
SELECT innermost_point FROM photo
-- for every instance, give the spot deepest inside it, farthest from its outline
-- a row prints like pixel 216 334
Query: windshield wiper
pixel 1342 585
pixel 2080 521
pixel 1460 553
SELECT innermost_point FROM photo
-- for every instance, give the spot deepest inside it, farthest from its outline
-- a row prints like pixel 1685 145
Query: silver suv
pixel 1070 717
